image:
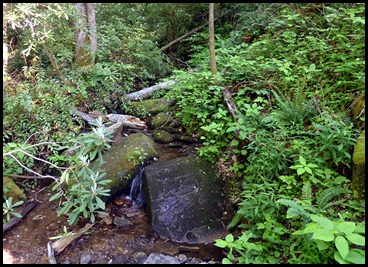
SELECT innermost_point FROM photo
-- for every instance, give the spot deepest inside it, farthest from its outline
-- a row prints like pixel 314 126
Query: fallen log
pixel 13 221
pixel 147 92
pixel 127 120
pixel 59 245
pixel 120 119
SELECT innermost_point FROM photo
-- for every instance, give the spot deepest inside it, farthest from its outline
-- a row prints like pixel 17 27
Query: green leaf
pixel 308 170
pixel 100 203
pixel 322 234
pixel 73 218
pixel 56 196
pixel 325 223
pixel 225 261
pixel 234 143
pixel 16 214
pixel 346 227
pixel 302 160
pixel 321 245
pixel 300 171
pixel 356 239
pixel 93 154
pixel 310 228
pixel 360 229
pixel 356 256
pixel 221 243
pixel 229 238
pixel 342 246
pixel 338 258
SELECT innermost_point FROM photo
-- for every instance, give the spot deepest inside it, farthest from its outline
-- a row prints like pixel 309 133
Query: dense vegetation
pixel 293 71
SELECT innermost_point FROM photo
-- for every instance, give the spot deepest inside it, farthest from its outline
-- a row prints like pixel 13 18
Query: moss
pixel 162 136
pixel 150 106
pixel 161 119
pixel 14 191
pixel 358 105
pixel 358 181
pixel 124 158
pixel 359 150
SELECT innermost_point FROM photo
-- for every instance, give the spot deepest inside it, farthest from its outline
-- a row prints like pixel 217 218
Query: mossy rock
pixel 13 190
pixel 161 119
pixel 124 158
pixel 358 181
pixel 162 136
pixel 150 106
pixel 358 109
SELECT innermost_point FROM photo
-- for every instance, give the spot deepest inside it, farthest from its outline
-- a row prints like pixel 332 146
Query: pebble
pixel 120 222
pixel 86 258
pixel 182 258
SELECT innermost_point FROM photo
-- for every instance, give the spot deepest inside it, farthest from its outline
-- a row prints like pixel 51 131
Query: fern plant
pixel 304 207
pixel 294 110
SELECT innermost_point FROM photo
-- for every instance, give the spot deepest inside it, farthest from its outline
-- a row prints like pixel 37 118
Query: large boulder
pixel 10 189
pixel 185 200
pixel 358 181
pixel 124 158
pixel 150 107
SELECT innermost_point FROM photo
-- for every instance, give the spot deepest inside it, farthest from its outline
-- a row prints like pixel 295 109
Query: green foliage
pixel 342 237
pixel 82 184
pixel 138 157
pixel 8 209
pixel 246 250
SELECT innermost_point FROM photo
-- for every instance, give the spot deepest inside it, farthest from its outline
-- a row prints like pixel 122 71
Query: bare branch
pixel 24 167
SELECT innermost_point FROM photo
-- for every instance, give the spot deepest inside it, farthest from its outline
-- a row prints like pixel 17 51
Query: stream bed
pixel 127 241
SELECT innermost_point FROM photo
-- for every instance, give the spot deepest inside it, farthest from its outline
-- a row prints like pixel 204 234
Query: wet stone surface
pixel 104 243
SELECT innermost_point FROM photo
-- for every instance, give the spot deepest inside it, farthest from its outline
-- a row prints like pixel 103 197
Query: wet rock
pixel 86 258
pixel 150 106
pixel 182 258
pixel 162 136
pixel 13 190
pixel 121 222
pixel 123 160
pixel 162 119
pixel 195 261
pixel 185 200
pixel 139 257
pixel 155 258
pixel 358 181
pixel 120 259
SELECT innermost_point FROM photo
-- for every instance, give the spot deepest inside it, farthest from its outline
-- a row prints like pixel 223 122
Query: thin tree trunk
pixel 5 44
pixel 182 37
pixel 86 40
pixel 212 39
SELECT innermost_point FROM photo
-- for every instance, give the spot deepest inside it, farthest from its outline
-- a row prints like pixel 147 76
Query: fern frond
pixel 307 191
pixel 327 195
pixel 294 208
pixel 235 220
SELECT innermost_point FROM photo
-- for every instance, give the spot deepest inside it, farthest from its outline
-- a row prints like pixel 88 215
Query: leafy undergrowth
pixel 288 155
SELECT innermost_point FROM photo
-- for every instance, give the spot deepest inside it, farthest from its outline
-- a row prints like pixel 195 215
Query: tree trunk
pixel 212 39
pixel 5 45
pixel 182 37
pixel 85 34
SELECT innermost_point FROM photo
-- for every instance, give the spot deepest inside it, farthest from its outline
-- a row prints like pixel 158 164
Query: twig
pixel 39 175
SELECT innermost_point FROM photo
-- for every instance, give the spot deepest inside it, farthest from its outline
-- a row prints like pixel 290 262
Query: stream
pixel 128 240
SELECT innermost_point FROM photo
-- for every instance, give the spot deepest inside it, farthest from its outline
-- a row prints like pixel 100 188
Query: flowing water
pixel 130 242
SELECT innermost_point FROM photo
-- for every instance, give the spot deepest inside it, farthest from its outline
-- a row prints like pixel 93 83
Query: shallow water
pixel 27 241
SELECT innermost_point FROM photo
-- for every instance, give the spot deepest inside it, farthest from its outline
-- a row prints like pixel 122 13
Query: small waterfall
pixel 133 190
